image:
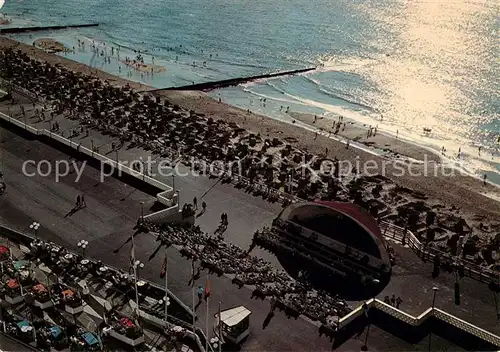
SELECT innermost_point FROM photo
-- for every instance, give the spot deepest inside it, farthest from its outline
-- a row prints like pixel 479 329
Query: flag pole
pixel 220 331
pixel 166 289
pixel 192 291
pixel 135 278
pixel 206 316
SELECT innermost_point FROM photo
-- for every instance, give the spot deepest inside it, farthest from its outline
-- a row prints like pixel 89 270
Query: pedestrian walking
pixel 273 304
pixel 398 302
pixel 83 201
pixel 199 292
pixel 78 201
pixel 195 203
pixel 204 205
pixel 393 300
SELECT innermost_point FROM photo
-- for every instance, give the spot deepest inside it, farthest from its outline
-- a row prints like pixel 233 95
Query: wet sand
pixel 146 68
pixel 463 192
pixel 50 45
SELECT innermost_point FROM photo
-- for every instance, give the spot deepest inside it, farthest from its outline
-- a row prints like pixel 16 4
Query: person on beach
pixel 484 179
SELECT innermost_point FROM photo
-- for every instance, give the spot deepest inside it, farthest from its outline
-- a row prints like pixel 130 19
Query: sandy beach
pixel 462 192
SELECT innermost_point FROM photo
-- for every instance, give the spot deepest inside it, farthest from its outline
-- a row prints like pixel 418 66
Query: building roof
pixel 358 214
pixel 233 316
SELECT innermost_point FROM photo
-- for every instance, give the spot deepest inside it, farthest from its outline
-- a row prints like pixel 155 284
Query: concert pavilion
pixel 340 237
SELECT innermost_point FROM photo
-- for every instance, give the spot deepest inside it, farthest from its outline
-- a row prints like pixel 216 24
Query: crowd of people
pixel 225 258
pixel 264 165
pixel 270 168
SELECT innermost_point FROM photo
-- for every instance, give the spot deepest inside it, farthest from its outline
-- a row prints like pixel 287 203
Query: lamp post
pixel 435 289
pixel 137 265
pixel 35 226
pixel 83 245
pixel 165 300
pixel 142 212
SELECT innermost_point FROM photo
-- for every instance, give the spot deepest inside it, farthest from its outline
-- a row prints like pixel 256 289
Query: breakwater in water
pixel 235 81
pixel 44 28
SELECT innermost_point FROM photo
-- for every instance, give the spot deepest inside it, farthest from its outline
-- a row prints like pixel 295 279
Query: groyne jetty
pixel 235 81
pixel 44 28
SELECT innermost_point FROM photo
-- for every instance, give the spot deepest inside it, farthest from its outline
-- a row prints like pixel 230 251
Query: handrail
pixel 470 269
pixel 416 321
pixel 162 197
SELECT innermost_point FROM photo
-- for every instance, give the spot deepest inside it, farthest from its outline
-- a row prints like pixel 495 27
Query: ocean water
pixel 403 65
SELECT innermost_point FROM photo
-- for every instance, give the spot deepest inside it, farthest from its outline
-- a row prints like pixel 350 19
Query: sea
pixel 401 65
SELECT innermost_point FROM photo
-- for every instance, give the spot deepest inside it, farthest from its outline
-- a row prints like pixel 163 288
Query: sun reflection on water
pixel 437 56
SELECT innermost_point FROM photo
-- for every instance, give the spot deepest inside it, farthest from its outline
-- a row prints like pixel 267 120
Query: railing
pixel 416 321
pixel 427 252
pixel 166 196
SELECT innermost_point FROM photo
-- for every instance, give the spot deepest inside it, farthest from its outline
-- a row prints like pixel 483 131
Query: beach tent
pixel 24 326
pixel 12 283
pixel 4 252
pixel 90 338
pixel 55 332
pixel 40 288
pixel 19 264
pixel 68 294
pixel 126 322
pixel 22 323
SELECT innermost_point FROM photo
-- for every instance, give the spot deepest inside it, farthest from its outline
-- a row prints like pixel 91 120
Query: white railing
pixel 416 321
pixel 166 196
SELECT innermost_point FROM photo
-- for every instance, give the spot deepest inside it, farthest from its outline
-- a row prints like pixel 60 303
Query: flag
pixel 163 271
pixel 192 272
pixel 206 293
